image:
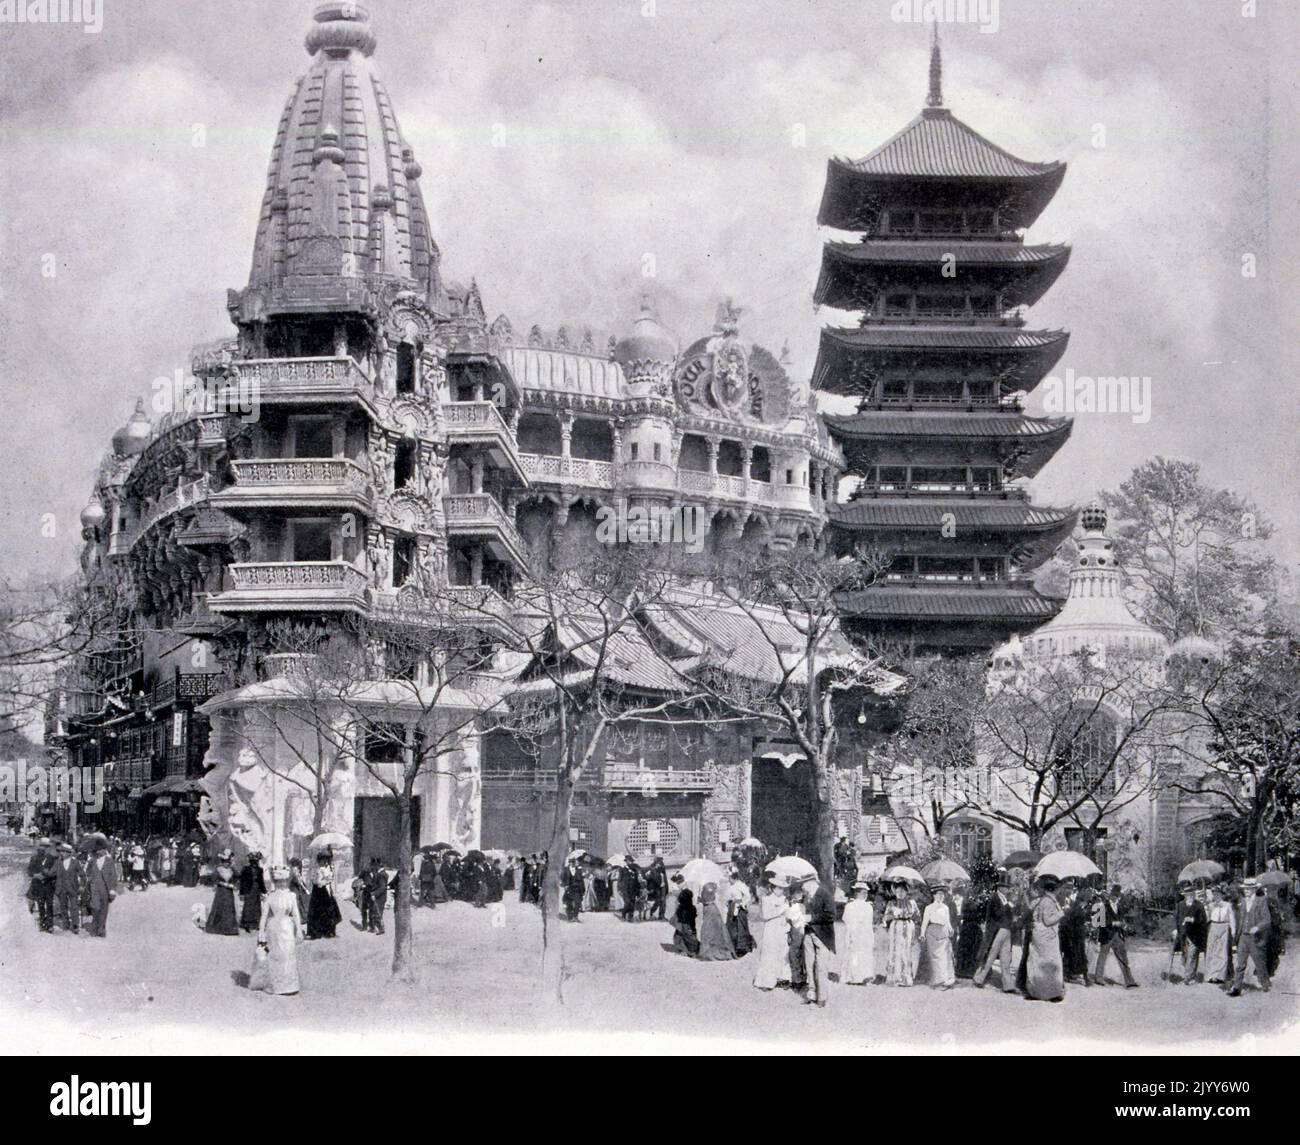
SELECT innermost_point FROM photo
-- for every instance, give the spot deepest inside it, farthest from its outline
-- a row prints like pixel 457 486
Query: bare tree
pixel 793 668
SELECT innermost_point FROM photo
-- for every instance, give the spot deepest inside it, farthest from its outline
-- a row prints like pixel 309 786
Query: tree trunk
pixel 1034 833
pixel 552 933
pixel 824 822
pixel 403 965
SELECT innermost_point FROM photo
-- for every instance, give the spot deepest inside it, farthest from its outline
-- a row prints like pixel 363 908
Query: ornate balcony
pixel 547 469
pixel 187 496
pixel 296 482
pixel 481 424
pixel 299 379
pixel 478 515
pixel 293 586
pixel 748 491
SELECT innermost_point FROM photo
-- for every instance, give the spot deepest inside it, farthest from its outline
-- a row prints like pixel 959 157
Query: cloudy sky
pixel 694 133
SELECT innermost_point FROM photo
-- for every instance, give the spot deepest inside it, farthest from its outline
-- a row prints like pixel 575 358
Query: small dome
pixel 649 342
pixel 134 436
pixel 92 516
pixel 1093 517
pixel 1196 650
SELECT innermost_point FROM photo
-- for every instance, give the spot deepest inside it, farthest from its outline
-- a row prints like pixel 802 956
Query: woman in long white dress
pixel 1218 943
pixel 1044 966
pixel 936 932
pixel 280 931
pixel 773 947
pixel 859 962
pixel 900 924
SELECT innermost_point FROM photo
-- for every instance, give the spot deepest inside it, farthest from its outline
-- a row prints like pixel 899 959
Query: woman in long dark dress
pixel 970 936
pixel 684 938
pixel 738 901
pixel 1074 938
pixel 252 888
pixel 715 942
pixel 323 913
pixel 222 918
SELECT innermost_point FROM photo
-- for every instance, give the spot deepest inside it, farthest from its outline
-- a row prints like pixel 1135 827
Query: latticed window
pixel 653 836
pixel 1087 760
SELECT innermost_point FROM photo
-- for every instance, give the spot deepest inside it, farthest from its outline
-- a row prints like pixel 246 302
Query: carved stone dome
pixel 342 195
pixel 131 439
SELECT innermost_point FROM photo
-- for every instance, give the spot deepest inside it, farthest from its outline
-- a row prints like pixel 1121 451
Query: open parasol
pixel 788 869
pixel 329 839
pixel 945 871
pixel 901 873
pixel 1023 859
pixel 751 842
pixel 1067 865
pixel 1273 879
pixel 698 873
pixel 1200 869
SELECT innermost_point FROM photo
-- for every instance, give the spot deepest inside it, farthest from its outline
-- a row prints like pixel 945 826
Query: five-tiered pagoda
pixel 938 363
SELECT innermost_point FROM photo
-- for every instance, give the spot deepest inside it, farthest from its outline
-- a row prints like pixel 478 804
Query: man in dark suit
pixel 40 887
pixel 1191 926
pixel 101 889
pixel 998 919
pixel 1254 925
pixel 818 940
pixel 68 885
pixel 1108 920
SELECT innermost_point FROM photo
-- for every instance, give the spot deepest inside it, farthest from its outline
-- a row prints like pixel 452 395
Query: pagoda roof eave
pixel 1016 603
pixel 1024 356
pixel 923 514
pixel 849 270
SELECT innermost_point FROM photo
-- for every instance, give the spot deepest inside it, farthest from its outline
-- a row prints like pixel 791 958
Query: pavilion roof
pixel 1012 515
pixel 935 147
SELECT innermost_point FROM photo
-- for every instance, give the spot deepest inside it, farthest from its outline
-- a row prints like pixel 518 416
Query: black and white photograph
pixel 651 528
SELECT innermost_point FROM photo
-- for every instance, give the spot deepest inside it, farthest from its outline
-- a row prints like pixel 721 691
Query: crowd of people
pixel 1037 935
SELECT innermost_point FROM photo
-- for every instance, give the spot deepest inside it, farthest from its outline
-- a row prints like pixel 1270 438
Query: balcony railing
pixel 182 497
pixel 292 584
pixel 545 467
pixel 871 489
pixel 300 377
pixel 651 780
pixel 474 417
pixel 314 481
pixel 480 512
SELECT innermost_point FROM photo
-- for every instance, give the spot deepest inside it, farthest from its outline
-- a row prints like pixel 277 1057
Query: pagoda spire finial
pixel 936 69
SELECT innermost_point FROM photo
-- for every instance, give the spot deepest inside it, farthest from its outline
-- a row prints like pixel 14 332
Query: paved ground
pixel 159 984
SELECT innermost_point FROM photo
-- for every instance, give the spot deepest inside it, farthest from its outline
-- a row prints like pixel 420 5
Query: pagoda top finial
pixel 935 98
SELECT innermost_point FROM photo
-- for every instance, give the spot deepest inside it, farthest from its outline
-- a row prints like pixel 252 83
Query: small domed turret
pixel 1093 517
pixel 92 517
pixel 131 439
pixel 649 353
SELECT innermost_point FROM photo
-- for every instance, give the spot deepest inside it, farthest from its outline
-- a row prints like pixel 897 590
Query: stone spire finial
pixel 340 27
pixel 936 69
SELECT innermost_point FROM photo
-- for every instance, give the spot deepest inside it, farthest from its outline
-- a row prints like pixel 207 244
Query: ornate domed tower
pixel 1095 614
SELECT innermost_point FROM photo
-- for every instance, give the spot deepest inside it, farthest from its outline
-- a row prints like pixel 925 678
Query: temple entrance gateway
pixel 781 805
pixel 374 833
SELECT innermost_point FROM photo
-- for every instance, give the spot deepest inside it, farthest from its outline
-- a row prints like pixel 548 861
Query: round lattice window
pixel 658 834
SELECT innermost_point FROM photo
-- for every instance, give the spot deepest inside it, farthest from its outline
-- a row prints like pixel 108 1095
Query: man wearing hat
pixel 68 885
pixel 40 890
pixel 1255 924
pixel 101 889
pixel 818 940
pixel 997 929
pixel 1109 921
